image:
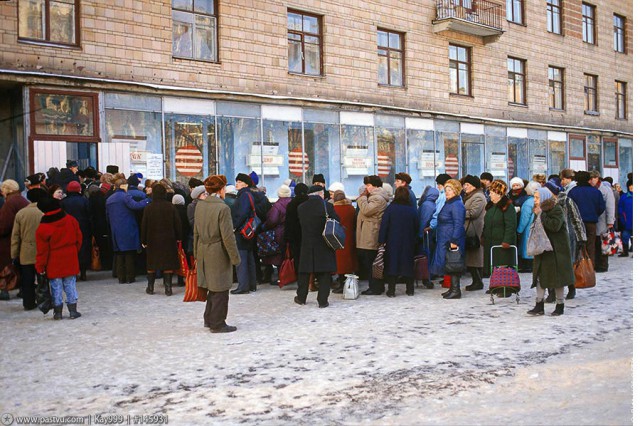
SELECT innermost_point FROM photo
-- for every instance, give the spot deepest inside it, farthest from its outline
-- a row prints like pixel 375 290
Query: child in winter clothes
pixel 58 241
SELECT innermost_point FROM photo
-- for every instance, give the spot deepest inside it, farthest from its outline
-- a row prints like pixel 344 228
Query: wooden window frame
pixel 619 30
pixel 583 138
pixel 586 20
pixel 615 141
pixel 591 90
pixel 216 53
pixel 47 31
pixel 302 35
pixel 457 62
pixel 621 94
pixel 66 138
pixel 555 9
pixel 561 83
pixel 523 74
pixel 388 50
pixel 512 8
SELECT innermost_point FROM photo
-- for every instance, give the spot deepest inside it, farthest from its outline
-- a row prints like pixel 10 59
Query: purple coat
pixel 275 219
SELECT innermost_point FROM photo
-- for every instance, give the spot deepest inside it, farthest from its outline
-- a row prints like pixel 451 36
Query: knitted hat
pixel 178 200
pixel 301 189
pixel 284 191
pixel 555 189
pixel 74 186
pixel 373 180
pixel 230 190
pixel 441 179
pixel 48 204
pixel 9 186
pixel 113 169
pixel 455 185
pixel 242 177
pixel 254 178
pixel 404 177
pixel 215 183
pixel 486 176
pixel 339 195
pixel 133 180
pixel 34 195
pixel 336 186
pixel 545 194
pixel 516 181
pixel 473 181
pixel 499 187
pixel 197 191
pixel 318 178
pixel 316 188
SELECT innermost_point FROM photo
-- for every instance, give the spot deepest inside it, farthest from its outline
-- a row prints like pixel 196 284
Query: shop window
pixel 459 70
pixel 610 151
pixel 59 115
pixel 577 148
pixel 625 157
pixel 357 155
pixel 554 16
pixel 390 58
pixel 472 154
pixel 195 29
pixel 588 23
pixel 447 154
pixel 498 157
pixel 239 139
pixel 49 21
pixel 305 43
pixel 557 156
pixel 322 154
pixel 190 147
pixel 619 33
pixel 422 159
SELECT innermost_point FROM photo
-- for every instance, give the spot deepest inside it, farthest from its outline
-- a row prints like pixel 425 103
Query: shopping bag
pixel 351 289
pixel 611 243
pixel 584 272
pixel 538 241
pixel 377 270
pixel 43 293
pixel 193 293
pixel 9 277
pixel 287 270
pixel 454 262
pixel 184 265
pixel 267 244
pixel 96 265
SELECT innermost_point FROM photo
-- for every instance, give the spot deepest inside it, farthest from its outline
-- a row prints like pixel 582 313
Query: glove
pixel 505 245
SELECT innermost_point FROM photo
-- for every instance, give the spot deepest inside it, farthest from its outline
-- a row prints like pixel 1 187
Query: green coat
pixel 554 269
pixel 214 244
pixel 500 223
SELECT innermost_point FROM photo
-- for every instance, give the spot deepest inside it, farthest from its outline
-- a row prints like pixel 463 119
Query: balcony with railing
pixel 481 18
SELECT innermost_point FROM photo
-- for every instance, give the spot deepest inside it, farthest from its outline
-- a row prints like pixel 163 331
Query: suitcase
pixel 504 280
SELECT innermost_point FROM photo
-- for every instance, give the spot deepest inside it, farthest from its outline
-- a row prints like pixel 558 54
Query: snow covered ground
pixel 375 360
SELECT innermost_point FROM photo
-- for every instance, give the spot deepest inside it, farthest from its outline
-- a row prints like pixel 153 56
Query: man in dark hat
pixel 486 178
pixel 591 205
pixel 318 179
pixel 68 174
pixel 113 169
pixel 403 179
pixel 32 182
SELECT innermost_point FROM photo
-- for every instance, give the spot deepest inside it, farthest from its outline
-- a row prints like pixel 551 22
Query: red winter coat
pixel 346 258
pixel 58 241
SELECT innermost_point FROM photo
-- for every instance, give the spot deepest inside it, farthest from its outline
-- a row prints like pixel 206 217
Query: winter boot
pixel 57 312
pixel 73 313
pixel 455 288
pixel 559 310
pixel 83 274
pixel 625 250
pixel 167 283
pixel 476 284
pixel 571 293
pixel 391 292
pixel 151 280
pixel 551 298
pixel 447 293
pixel 538 310
pixel 4 295
pixel 410 287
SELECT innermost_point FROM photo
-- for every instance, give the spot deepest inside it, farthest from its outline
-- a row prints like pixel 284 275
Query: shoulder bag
pixel 250 228
pixel 333 232
pixel 584 272
pixel 538 241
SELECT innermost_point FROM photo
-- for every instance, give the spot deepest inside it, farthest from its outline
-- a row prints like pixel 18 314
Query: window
pixel 305 43
pixel 577 148
pixel 195 27
pixel 554 16
pixel 621 100
pixel 590 93
pixel 68 116
pixel 556 88
pixel 459 70
pixel 618 33
pixel 515 11
pixel 588 23
pixel 610 150
pixel 517 81
pixel 50 21
pixel 390 58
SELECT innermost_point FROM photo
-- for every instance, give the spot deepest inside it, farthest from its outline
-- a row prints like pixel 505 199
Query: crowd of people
pixel 64 218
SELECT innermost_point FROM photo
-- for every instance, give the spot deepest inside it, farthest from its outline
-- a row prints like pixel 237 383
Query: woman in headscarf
pixel 215 250
pixel 275 220
pixel 524 227
pixel 474 204
pixel 499 229
pixel 551 269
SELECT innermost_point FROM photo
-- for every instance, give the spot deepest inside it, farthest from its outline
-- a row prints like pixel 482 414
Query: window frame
pixel 468 63
pixel 606 140
pixel 561 83
pixel 302 34
pixel 509 6
pixel 586 20
pixel 523 74
pixel 555 9
pixel 388 56
pixel 47 31
pixel 620 32
pixel 591 91
pixel 216 39
pixel 621 94
pixel 582 138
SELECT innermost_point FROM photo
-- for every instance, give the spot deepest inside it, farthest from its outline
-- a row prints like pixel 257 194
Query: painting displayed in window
pixel 64 114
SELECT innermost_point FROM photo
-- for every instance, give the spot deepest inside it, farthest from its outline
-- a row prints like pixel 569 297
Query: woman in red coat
pixel 58 241
pixel 345 258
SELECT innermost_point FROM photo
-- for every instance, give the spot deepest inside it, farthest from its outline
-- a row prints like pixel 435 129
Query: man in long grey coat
pixel 606 220
pixel 316 257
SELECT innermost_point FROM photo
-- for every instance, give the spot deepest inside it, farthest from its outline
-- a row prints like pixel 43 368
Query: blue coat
pixel 524 227
pixel 121 208
pixel 398 231
pixel 450 230
pixel 589 201
pixel 427 207
pixel 240 213
pixel 78 206
pixel 625 209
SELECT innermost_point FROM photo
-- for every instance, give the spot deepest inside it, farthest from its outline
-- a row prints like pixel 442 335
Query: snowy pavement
pixel 375 360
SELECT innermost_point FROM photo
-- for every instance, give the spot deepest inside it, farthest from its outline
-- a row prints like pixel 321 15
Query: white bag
pixel 351 289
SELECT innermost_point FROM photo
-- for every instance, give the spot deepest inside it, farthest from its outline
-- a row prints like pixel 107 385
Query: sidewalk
pixel 408 360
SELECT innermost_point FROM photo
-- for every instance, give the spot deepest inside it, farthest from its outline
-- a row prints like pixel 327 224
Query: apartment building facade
pixel 184 88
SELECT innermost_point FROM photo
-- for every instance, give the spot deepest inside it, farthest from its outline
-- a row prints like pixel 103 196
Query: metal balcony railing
pixel 481 12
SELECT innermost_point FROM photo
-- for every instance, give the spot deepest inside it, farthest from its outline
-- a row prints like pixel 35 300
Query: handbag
pixel 9 277
pixel 96 265
pixel 454 262
pixel 538 241
pixel 250 227
pixel 184 265
pixel 193 293
pixel 421 267
pixel 377 269
pixel 584 272
pixel 267 244
pixel 351 289
pixel 43 293
pixel 611 243
pixel 287 271
pixel 473 242
pixel 333 232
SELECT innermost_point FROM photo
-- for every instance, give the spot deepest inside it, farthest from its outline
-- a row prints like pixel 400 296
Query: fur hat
pixel 35 179
pixel 197 191
pixel 582 178
pixel 74 186
pixel 516 181
pixel 473 181
pixel 113 169
pixel 177 200
pixel 339 195
pixel 441 179
pixel 72 163
pixel 48 204
pixel 373 180
pixel 158 191
pixel 242 177
pixel 486 176
pixel 284 191
pixel 455 185
pixel 34 195
pixel 318 178
pixel 301 189
pixel 499 187
pixel 404 177
pixel 194 182
pixel 316 188
pixel 215 183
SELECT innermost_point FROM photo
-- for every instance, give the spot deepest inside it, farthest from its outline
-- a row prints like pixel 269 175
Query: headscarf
pixel 545 194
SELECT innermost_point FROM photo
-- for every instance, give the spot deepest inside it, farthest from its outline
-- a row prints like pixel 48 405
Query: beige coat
pixel 214 244
pixel 372 208
pixel 23 235
pixel 474 205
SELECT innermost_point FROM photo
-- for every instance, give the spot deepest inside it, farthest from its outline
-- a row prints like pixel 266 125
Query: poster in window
pixel 63 114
